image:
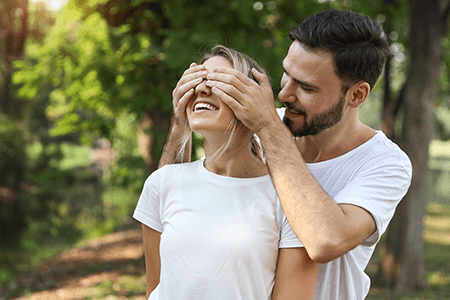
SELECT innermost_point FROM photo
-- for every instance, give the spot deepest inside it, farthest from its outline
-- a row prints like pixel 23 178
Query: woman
pixel 214 228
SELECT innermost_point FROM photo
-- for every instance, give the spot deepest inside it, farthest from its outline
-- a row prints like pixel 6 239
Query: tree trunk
pixel 13 34
pixel 14 29
pixel 402 264
pixel 153 129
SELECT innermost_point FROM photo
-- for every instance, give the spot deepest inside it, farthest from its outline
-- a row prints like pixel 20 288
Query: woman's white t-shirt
pixel 220 235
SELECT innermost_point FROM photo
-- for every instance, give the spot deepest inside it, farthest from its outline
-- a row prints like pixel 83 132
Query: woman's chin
pixel 201 126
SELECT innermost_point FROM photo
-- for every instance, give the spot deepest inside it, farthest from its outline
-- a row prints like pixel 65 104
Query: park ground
pixel 112 267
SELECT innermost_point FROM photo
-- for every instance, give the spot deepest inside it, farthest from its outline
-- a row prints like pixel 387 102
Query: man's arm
pixel 173 146
pixel 327 230
pixel 181 95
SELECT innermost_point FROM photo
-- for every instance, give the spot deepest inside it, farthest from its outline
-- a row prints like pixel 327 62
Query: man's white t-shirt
pixel 220 235
pixel 374 176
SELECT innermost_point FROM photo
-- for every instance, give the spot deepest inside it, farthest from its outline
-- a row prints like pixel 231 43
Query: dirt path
pixel 96 270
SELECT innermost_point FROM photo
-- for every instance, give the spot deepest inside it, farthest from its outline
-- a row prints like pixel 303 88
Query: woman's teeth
pixel 206 106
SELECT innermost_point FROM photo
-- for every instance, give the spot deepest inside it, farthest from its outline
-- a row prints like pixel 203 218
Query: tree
pixel 109 58
pixel 14 28
pixel 403 264
pixel 13 34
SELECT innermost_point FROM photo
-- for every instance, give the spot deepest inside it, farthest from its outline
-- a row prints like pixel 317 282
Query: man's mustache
pixel 292 108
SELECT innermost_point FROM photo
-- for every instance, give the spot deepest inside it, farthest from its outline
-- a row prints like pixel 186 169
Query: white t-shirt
pixel 220 235
pixel 374 176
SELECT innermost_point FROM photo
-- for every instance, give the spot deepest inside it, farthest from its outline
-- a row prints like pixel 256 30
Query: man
pixel 339 181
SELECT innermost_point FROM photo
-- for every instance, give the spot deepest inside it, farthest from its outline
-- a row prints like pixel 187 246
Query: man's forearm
pixel 318 221
pixel 173 146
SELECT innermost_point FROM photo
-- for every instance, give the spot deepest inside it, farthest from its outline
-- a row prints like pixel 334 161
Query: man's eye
pixel 306 89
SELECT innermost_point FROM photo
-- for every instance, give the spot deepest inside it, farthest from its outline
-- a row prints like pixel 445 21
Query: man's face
pixel 311 91
pixel 318 122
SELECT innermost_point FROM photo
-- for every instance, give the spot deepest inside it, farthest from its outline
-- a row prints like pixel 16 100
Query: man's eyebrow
pixel 301 82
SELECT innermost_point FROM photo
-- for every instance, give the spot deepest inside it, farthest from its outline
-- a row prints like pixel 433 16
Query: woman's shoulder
pixel 171 169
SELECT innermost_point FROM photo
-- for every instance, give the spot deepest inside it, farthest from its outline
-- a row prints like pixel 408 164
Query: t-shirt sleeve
pixel 378 189
pixel 288 239
pixel 148 207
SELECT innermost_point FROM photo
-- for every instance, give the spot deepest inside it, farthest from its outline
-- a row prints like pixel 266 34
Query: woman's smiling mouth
pixel 204 106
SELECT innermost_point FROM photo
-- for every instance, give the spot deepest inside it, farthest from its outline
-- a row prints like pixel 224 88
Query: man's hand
pixel 184 91
pixel 252 102
pixel 181 95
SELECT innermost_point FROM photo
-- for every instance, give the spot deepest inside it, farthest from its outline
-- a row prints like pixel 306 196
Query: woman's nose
pixel 202 89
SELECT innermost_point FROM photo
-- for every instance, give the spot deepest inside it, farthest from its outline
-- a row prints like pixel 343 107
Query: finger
pixel 183 89
pixel 182 103
pixel 234 73
pixel 261 78
pixel 227 99
pixel 192 77
pixel 227 79
pixel 193 69
pixel 229 89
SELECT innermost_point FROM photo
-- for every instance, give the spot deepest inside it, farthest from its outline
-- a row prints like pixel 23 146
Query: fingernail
pixel 204 73
pixel 208 76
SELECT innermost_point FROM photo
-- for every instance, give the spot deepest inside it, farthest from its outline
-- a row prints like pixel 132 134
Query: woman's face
pixel 205 112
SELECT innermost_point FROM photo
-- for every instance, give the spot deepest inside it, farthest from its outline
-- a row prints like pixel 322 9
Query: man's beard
pixel 319 122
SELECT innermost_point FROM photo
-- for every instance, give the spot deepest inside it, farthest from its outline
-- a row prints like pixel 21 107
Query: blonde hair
pixel 244 64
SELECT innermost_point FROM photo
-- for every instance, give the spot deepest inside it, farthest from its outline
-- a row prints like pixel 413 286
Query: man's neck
pixel 333 142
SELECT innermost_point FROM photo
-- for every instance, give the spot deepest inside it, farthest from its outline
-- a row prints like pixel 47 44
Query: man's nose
pixel 286 94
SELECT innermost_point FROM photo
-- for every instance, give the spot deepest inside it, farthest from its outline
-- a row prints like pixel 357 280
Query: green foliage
pixel 104 58
pixel 94 69
pixel 13 138
pixel 100 68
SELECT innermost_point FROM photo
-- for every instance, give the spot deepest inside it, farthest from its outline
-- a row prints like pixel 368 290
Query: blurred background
pixel 85 107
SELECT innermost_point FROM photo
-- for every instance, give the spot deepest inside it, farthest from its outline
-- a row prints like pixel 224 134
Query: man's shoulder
pixel 381 151
pixel 380 144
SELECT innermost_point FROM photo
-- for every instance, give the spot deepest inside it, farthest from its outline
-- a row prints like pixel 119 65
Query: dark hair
pixel 357 44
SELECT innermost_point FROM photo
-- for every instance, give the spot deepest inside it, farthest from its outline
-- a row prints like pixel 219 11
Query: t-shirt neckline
pixel 358 149
pixel 202 169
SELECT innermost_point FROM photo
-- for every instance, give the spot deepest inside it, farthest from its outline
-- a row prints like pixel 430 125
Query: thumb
pixel 261 78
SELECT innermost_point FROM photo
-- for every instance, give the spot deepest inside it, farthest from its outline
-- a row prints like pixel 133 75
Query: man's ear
pixel 359 93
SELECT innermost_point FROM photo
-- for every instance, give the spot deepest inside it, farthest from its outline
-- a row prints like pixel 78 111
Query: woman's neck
pixel 236 161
